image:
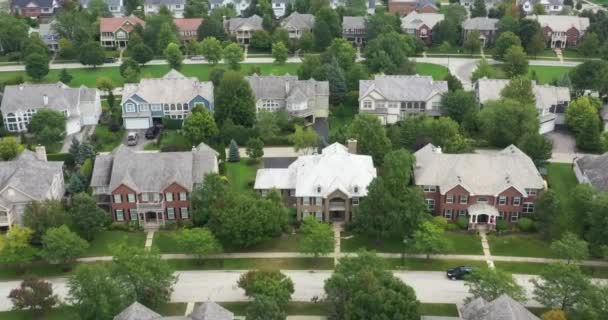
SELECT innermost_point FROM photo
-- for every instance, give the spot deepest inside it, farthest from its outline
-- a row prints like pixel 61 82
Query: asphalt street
pixel 430 287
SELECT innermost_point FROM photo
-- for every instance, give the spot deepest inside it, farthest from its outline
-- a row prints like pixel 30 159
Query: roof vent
pixel 459 178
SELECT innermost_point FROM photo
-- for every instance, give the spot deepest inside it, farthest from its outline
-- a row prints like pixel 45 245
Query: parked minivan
pixel 132 138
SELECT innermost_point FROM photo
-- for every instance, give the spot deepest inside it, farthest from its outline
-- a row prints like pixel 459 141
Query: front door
pixel 482 218
pixel 151 217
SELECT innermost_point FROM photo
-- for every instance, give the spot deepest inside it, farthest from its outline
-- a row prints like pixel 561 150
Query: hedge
pixel 172 124
pixel 65 157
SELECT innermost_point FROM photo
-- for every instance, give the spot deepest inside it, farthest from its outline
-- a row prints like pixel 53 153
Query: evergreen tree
pixel 479 9
pixel 233 152
pixel 65 77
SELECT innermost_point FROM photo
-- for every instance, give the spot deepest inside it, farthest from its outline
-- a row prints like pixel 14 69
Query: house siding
pixel 125 205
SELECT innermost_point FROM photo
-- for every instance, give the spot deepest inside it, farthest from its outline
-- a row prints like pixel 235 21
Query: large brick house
pixel 486 27
pixel 150 188
pixel 187 28
pixel 483 186
pixel 114 32
pixel 353 30
pixel 34 8
pixel 326 186
pixel 242 29
pixel 405 7
pixel 562 31
pixel 420 25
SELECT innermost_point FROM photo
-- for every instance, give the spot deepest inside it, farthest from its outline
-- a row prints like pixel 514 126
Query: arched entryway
pixel 482 214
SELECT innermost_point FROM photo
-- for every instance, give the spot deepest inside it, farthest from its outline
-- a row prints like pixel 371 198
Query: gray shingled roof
pixel 561 23
pixel 173 87
pixel 502 308
pixel 299 21
pixel 137 311
pixel 545 95
pixel 60 97
pixel 153 171
pixel 403 88
pixel 165 2
pixel 252 23
pixel 595 169
pixel 286 87
pixel 40 3
pixel 209 310
pixel 29 174
pixel 479 173
pixel 353 23
pixel 480 23
pixel 415 20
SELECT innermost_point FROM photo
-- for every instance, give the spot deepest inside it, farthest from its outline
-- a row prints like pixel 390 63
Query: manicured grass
pixel 100 246
pixel 172 309
pixel 255 263
pixel 438 309
pixel 241 175
pixel 39 269
pixel 545 74
pixel 88 76
pixel 107 140
pixel 165 242
pixel 461 243
pixel 429 69
pixel 60 313
pixel 172 140
pixel 322 308
pixel 519 245
pixel 536 268
pixel 561 179
pixel 416 264
pixel 340 118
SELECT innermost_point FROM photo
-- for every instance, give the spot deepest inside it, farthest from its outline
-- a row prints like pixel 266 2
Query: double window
pixel 168 196
pixel 430 188
pixel 531 192
pixel 129 107
pixel 133 215
pixel 449 198
pixel 430 204
pixel 117 198
pixel 464 199
pixel 502 200
pixel 171 213
pixel 120 215
pixel 516 201
pixel 131 197
pixel 183 196
pixel 482 200
pixel 528 207
pixel 447 213
pixel 355 201
pixel 184 212
pixel 514 216
pixel 367 104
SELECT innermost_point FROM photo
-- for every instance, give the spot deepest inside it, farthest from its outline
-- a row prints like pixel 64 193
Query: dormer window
pixel 356 189
pixel 318 189
pixel 129 107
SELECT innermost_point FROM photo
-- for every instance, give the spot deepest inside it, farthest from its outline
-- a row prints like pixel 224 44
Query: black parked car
pixel 458 273
pixel 152 132
pixel 109 60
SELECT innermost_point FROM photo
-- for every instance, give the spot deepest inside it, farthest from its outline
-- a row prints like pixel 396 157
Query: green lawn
pixel 536 268
pixel 88 76
pixel 106 140
pixel 429 69
pixel 39 269
pixel 322 308
pixel 519 245
pixel 166 243
pixel 172 140
pixel 100 245
pixel 462 243
pixel 545 74
pixel 431 264
pixel 241 174
pixel 255 263
pixel 69 313
pixel 561 179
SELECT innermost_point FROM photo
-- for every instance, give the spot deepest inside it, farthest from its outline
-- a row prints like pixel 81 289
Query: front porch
pixel 482 215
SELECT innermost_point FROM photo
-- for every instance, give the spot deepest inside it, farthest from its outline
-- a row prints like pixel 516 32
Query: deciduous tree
pixel 200 127
pixel 318 237
pixel 60 245
pixel 233 56
pixel 490 283
pixel 141 53
pixel 174 56
pixel 371 136
pixel 36 66
pixel 516 62
pixel 92 54
pixel 519 89
pixel 15 248
pixel 561 286
pixel 34 294
pixel 234 100
pixel 506 121
pixel 304 138
pixel 255 149
pixel 280 53
pixel 86 218
pixel 430 239
pixel 10 148
pixel 268 283
pixel 198 241
pixel 211 49
pixel 570 248
pixel 505 41
pixel 39 216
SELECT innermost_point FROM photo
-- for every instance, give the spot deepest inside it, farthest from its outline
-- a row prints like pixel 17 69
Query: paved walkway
pixel 189 308
pixel 486 247
pixel 149 239
pixel 338 227
pixel 284 255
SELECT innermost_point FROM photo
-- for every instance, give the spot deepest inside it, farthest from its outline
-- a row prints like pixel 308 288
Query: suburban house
pixel 27 178
pixel 551 101
pixel 49 36
pixel 501 308
pixel 298 23
pixel 116 7
pixel 207 310
pixel 308 99
pixel 469 4
pixel 114 32
pixel 34 8
pixel 393 98
pixel 175 6
pixel 238 5
pixel 483 186
pixel 173 96
pixel 405 7
pixel 81 106
pixel 326 186
pixel 280 7
pixel 486 27
pixel 353 30
pixel 562 31
pixel 187 28
pixel 552 7
pixel 243 28
pixel 420 25
pixel 150 187
pixel 592 169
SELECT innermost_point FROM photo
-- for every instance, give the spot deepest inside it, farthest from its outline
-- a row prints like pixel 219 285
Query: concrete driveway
pixel 141 141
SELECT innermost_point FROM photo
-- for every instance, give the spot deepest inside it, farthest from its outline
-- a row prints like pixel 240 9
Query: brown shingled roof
pixel 187 24
pixel 113 24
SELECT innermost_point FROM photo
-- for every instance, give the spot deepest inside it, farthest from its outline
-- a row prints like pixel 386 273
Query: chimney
pixel 45 99
pixel 438 150
pixel 41 152
pixel 351 145
pixel 21 87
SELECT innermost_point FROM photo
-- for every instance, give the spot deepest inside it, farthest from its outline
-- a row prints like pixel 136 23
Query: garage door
pixel 547 127
pixel 137 123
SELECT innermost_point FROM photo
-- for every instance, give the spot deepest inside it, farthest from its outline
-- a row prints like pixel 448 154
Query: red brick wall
pixel 176 204
pixel 30 12
pixel 125 205
pixel 403 8
pixel 428 9
pixel 572 36
pixel 429 33
pixel 546 32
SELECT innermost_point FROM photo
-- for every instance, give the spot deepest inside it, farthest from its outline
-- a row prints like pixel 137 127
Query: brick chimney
pixel 41 152
pixel 351 145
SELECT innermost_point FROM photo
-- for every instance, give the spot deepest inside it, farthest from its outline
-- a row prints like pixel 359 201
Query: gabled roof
pixel 209 310
pixel 403 88
pixel 286 87
pixel 545 95
pixel 561 23
pixel 187 24
pixel 502 308
pixel 153 171
pixel 173 87
pixel 334 169
pixel 480 23
pixel 353 23
pixel 30 174
pixel 595 170
pixel 115 23
pixel 110 3
pixel 478 173
pixel 251 23
pixel 415 20
pixel 299 21
pixel 32 96
pixel 137 311
pixel 39 3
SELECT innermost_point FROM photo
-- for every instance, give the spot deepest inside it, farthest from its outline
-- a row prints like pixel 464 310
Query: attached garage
pixel 546 127
pixel 137 123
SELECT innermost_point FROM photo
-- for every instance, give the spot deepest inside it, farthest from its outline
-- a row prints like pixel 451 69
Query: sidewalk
pixel 283 255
